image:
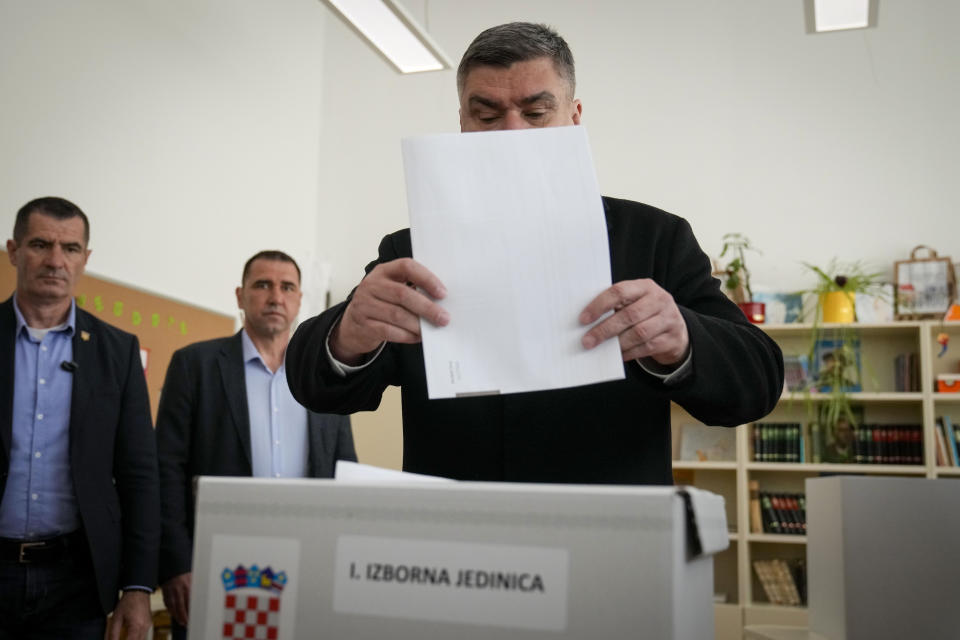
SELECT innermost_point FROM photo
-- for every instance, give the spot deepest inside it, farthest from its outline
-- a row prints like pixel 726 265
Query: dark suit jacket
pixel 203 428
pixel 614 432
pixel 113 458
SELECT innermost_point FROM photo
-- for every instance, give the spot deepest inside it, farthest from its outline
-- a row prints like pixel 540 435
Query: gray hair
pixel 517 42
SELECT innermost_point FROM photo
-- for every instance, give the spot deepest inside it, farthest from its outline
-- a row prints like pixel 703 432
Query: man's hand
pixel 176 597
pixel 387 307
pixel 646 321
pixel 133 614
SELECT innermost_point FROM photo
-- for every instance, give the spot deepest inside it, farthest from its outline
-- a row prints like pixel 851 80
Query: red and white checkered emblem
pixel 251 604
pixel 251 615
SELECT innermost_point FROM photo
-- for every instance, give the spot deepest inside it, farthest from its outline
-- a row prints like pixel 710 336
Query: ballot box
pixel 287 559
pixel 883 557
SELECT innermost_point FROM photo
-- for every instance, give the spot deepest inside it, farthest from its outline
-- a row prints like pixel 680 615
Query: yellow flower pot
pixel 837 306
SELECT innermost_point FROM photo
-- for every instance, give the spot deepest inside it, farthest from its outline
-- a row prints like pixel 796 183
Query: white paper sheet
pixel 512 223
pixel 356 472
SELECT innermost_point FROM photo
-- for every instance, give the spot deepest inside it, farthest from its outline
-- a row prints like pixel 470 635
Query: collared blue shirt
pixel 39 501
pixel 278 423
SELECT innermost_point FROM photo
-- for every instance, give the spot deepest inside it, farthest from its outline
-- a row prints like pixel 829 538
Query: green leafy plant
pixel 736 275
pixel 849 277
pixel 835 411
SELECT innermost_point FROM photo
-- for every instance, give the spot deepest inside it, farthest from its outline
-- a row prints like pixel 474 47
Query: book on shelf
pixel 951 434
pixel 770 517
pixel 779 581
pixel 768 580
pixel 942 457
pixel 906 368
pixel 756 518
pixel 789 586
pixel 783 513
pixel 798 569
pixel 788 520
pixel 815 433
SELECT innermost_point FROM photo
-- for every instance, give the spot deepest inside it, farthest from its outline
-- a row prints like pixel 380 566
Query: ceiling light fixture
pixel 393 33
pixel 838 15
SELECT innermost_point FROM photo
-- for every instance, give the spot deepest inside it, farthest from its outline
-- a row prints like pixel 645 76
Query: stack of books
pixel 888 444
pixel 784 583
pixel 948 442
pixel 778 442
pixel 906 372
pixel 793 442
pixel 782 513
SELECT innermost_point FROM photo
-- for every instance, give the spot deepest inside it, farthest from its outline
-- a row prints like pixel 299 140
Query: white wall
pixel 188 130
pixel 727 113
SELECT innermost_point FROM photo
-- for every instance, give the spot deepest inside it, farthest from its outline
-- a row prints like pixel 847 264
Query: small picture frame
pixel 782 307
pixel 829 354
pixel 925 286
pixel 700 443
pixel 876 308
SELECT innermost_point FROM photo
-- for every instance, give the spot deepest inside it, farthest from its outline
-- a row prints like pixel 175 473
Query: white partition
pixel 883 556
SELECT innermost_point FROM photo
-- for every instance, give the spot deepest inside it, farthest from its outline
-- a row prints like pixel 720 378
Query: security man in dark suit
pixel 79 515
pixel 226 410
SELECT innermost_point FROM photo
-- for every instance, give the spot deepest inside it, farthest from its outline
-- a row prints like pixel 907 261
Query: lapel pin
pixel 85 336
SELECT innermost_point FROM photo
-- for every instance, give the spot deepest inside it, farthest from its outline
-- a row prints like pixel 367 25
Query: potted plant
pixel 834 354
pixel 837 287
pixel 736 276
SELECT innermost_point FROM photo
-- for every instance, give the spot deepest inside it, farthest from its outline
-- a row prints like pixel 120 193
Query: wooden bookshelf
pixel 948 471
pixel 826 467
pixel 882 404
pixel 775 538
pixel 716 466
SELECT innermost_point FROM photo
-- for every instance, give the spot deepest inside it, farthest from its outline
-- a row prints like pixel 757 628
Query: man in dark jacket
pixel 226 410
pixel 682 339
pixel 78 464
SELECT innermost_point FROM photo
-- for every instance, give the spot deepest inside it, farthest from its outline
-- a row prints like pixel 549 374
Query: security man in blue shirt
pixel 79 512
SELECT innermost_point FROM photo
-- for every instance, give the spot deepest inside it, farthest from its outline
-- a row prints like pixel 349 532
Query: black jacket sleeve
pixel 174 420
pixel 737 369
pixel 310 376
pixel 135 474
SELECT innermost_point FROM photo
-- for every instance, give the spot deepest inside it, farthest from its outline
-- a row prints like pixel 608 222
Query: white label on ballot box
pixel 485 584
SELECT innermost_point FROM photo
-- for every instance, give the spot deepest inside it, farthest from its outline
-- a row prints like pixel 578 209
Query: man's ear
pixel 578 111
pixel 12 251
pixel 239 292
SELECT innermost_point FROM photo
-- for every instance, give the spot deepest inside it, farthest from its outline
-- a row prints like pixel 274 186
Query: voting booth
pixel 883 557
pixel 287 559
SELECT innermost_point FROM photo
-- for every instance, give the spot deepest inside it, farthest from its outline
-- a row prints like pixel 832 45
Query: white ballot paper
pixel 513 225
pixel 357 472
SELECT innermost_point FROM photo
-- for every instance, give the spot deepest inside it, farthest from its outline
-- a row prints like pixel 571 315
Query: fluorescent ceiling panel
pixel 390 29
pixel 835 15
